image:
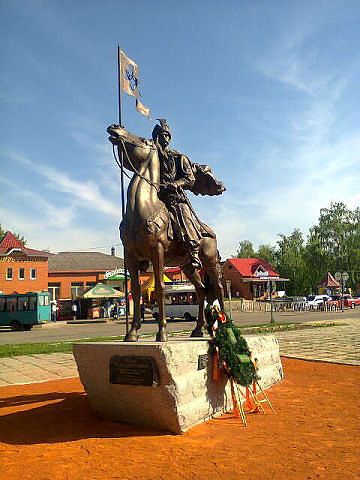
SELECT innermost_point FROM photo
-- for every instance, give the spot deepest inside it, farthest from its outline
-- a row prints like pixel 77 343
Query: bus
pixel 180 302
pixel 21 311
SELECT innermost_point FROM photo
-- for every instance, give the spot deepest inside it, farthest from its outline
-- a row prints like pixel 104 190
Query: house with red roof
pixel 328 285
pixel 249 277
pixel 22 269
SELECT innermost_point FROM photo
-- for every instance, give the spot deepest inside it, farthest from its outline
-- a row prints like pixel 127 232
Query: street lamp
pixel 270 288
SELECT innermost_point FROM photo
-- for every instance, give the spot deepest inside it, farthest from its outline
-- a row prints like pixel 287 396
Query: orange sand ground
pixel 48 431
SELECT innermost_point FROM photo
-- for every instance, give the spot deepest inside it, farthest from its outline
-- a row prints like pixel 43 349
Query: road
pixel 62 331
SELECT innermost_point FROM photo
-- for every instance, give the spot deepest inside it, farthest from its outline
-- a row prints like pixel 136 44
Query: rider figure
pixel 176 175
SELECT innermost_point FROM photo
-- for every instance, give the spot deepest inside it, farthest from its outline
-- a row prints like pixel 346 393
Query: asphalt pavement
pixel 55 332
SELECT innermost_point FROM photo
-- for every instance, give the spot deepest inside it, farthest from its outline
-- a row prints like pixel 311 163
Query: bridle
pixel 135 170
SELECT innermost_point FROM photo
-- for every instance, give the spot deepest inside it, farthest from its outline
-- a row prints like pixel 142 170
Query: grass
pixel 9 350
pixel 57 347
pixel 271 328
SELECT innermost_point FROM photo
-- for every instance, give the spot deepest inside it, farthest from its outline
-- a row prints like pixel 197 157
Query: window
pixel 9 274
pixel 21 274
pixel 77 288
pixel 2 304
pixel 33 274
pixel 90 284
pixel 32 303
pixel 54 290
pixel 23 303
pixel 11 304
pixel 44 300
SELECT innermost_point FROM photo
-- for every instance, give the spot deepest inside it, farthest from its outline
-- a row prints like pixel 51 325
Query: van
pixel 23 311
pixel 180 302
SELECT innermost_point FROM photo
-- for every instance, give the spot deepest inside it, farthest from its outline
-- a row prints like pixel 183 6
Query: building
pixel 22 269
pixel 71 273
pixel 328 285
pixel 249 277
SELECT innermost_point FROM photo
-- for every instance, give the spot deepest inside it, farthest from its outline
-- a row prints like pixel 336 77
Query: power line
pixel 96 248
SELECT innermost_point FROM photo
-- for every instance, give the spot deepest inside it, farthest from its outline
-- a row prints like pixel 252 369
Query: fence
pixel 243 305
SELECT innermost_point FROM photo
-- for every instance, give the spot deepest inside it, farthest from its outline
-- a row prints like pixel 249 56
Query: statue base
pixel 168 385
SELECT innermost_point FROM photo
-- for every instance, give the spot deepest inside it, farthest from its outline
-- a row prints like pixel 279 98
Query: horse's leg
pixel 211 261
pixel 133 267
pixel 214 274
pixel 195 279
pixel 158 266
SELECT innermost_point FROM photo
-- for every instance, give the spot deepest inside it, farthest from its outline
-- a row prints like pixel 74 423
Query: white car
pixel 315 301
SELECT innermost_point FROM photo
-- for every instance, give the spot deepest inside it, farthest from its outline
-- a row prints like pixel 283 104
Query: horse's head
pixel 116 132
pixel 137 151
pixel 137 147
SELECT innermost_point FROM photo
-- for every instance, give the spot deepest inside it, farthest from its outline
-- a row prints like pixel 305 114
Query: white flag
pixel 129 75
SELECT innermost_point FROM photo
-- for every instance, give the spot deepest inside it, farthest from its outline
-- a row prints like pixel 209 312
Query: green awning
pixel 102 291
pixel 117 276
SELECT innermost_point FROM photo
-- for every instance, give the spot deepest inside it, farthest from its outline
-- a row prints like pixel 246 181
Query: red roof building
pixel 22 269
pixel 249 277
pixel 328 283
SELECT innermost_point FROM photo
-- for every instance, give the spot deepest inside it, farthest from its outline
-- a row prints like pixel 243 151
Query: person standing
pixel 74 309
pixel 54 310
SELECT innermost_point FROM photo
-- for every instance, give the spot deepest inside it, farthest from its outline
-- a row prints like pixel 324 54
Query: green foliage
pixel 266 252
pixel 232 348
pixel 245 250
pixel 332 245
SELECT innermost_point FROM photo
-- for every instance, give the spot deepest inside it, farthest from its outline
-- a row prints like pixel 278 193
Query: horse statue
pixel 144 233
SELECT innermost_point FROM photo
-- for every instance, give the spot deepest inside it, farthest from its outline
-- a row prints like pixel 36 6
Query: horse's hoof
pixel 197 333
pixel 131 337
pixel 161 336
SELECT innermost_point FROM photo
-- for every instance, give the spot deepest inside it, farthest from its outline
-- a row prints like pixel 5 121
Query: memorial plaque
pixel 130 370
pixel 203 361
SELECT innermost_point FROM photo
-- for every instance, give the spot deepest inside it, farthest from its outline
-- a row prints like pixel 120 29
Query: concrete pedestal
pixel 168 385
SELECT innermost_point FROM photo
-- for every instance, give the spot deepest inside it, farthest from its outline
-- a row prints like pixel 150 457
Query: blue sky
pixel 267 93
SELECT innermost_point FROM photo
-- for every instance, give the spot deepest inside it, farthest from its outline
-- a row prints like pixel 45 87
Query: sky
pixel 266 93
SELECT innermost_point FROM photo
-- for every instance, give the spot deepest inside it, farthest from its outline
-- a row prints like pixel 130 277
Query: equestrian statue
pixel 160 225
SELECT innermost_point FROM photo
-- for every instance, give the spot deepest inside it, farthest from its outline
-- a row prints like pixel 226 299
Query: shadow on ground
pixel 67 418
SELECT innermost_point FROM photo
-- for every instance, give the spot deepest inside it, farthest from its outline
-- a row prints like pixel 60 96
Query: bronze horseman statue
pixel 161 226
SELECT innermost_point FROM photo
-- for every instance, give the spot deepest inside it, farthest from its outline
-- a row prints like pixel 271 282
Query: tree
pixel 245 250
pixel 334 244
pixel 19 237
pixel 266 252
pixel 291 262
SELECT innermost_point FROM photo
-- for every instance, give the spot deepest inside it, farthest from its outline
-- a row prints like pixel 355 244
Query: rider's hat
pixel 163 127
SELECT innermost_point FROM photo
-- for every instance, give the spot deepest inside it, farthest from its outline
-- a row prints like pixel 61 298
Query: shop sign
pixel 112 273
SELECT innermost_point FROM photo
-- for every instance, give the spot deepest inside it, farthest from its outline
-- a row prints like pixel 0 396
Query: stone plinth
pixel 182 394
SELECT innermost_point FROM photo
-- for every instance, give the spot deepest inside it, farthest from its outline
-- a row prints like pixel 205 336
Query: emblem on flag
pixel 129 81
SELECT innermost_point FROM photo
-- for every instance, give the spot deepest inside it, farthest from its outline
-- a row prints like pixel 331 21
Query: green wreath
pixel 233 349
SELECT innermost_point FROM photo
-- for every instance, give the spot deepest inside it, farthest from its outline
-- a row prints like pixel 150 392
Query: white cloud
pixel 87 194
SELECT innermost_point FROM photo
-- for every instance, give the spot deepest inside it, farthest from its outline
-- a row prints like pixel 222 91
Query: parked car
pixel 349 301
pixel 316 301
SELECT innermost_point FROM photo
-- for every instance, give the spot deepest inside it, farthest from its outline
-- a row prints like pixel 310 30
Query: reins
pixel 135 170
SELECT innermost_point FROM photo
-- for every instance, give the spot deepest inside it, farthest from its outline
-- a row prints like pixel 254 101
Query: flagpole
pixel 120 151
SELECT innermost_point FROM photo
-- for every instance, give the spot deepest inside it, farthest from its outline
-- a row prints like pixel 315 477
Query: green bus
pixel 22 311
